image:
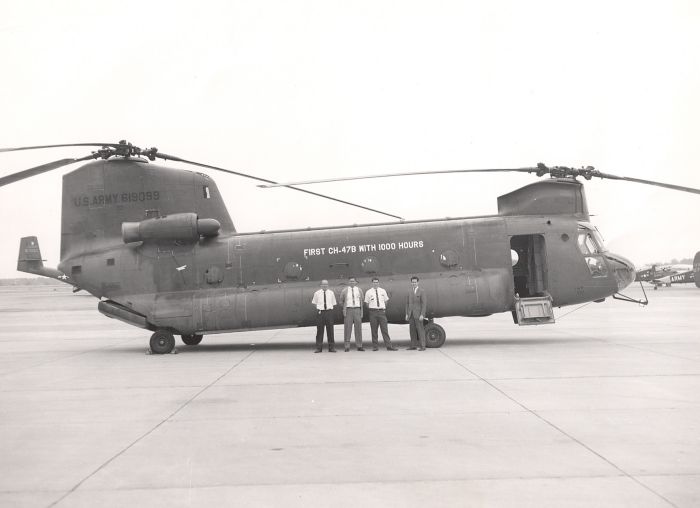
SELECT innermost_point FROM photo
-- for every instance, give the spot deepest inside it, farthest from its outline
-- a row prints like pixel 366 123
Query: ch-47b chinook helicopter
pixel 158 248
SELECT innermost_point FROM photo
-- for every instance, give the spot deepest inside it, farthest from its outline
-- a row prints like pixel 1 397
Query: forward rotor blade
pixel 27 173
pixel 388 175
pixel 541 169
pixel 274 184
pixel 649 182
pixel 113 145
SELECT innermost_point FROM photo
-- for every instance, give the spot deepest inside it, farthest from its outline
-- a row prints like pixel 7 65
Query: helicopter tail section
pixel 101 196
pixel 29 260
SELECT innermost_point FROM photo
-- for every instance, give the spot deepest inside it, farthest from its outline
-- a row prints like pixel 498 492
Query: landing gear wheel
pixel 162 342
pixel 191 340
pixel 434 335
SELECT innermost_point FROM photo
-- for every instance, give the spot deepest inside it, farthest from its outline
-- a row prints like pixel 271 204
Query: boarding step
pixel 535 310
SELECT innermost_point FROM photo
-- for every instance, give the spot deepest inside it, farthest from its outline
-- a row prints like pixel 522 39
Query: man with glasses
pixel 376 299
pixel 351 302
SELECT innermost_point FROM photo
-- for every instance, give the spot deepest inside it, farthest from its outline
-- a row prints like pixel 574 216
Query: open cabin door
pixel 533 304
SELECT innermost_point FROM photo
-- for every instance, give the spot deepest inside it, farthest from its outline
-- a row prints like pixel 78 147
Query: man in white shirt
pixel 376 299
pixel 324 301
pixel 351 302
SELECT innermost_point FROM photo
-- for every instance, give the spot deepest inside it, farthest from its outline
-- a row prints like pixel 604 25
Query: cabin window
pixel 213 275
pixel 76 269
pixel 110 261
pixel 205 191
pixel 449 258
pixel 293 270
pixel 370 265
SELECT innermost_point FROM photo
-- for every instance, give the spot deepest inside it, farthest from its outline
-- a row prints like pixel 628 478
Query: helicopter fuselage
pixel 159 249
pixel 262 280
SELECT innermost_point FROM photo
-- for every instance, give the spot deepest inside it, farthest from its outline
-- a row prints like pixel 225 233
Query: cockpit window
pixel 597 266
pixel 585 243
pixel 589 241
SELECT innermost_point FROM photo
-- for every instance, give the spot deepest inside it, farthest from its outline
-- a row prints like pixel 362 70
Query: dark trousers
pixel 415 326
pixel 377 319
pixel 324 318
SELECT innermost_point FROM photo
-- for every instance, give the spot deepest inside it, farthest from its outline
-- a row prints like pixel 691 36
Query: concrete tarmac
pixel 600 409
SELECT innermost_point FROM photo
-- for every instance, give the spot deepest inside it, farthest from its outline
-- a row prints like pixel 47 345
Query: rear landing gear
pixel 434 335
pixel 192 339
pixel 162 342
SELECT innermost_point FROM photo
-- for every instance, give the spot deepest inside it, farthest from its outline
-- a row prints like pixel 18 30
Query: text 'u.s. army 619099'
pixel 158 248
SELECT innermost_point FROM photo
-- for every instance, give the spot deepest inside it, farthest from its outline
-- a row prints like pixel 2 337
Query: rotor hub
pixel 566 172
pixel 126 150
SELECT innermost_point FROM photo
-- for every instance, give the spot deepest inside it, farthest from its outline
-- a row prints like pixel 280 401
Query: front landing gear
pixel 162 342
pixel 191 340
pixel 434 335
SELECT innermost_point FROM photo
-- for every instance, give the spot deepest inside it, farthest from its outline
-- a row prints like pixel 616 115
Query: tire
pixel 191 340
pixel 162 342
pixel 434 335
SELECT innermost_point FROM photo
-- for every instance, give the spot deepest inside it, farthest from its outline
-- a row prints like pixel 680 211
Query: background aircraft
pixel 665 275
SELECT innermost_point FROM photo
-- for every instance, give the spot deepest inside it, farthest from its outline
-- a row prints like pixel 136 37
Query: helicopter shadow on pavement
pixel 310 346
pixel 499 341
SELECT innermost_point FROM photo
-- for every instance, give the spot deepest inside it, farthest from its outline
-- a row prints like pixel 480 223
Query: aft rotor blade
pixel 389 175
pixel 114 145
pixel 649 182
pixel 27 173
pixel 275 184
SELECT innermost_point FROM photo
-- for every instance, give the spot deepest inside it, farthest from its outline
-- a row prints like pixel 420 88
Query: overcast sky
pixel 298 90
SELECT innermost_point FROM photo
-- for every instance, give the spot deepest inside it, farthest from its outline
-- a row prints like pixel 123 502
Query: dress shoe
pixel 317 351
pixel 375 349
pixel 411 348
pixel 347 349
pixel 391 349
pixel 360 349
pixel 331 350
pixel 421 349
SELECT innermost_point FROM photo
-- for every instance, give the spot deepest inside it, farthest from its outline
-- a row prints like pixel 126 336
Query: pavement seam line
pixel 358 482
pixel 149 432
pixel 385 381
pixel 41 364
pixel 555 427
pixel 653 351
pixel 631 346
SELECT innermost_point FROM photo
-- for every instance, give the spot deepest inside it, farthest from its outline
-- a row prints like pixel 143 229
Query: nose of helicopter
pixel 623 269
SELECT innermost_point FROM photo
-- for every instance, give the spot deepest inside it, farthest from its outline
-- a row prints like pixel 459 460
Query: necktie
pixel 415 291
pixel 325 307
pixel 352 290
pixel 379 305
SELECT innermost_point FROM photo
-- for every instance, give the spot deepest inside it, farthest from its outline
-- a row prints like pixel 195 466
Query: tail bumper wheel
pixel 434 335
pixel 162 342
pixel 191 340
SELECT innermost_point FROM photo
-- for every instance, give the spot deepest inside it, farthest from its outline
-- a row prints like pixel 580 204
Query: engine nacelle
pixel 183 227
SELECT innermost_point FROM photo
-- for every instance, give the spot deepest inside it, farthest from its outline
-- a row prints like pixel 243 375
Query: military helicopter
pixel 671 274
pixel 160 251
